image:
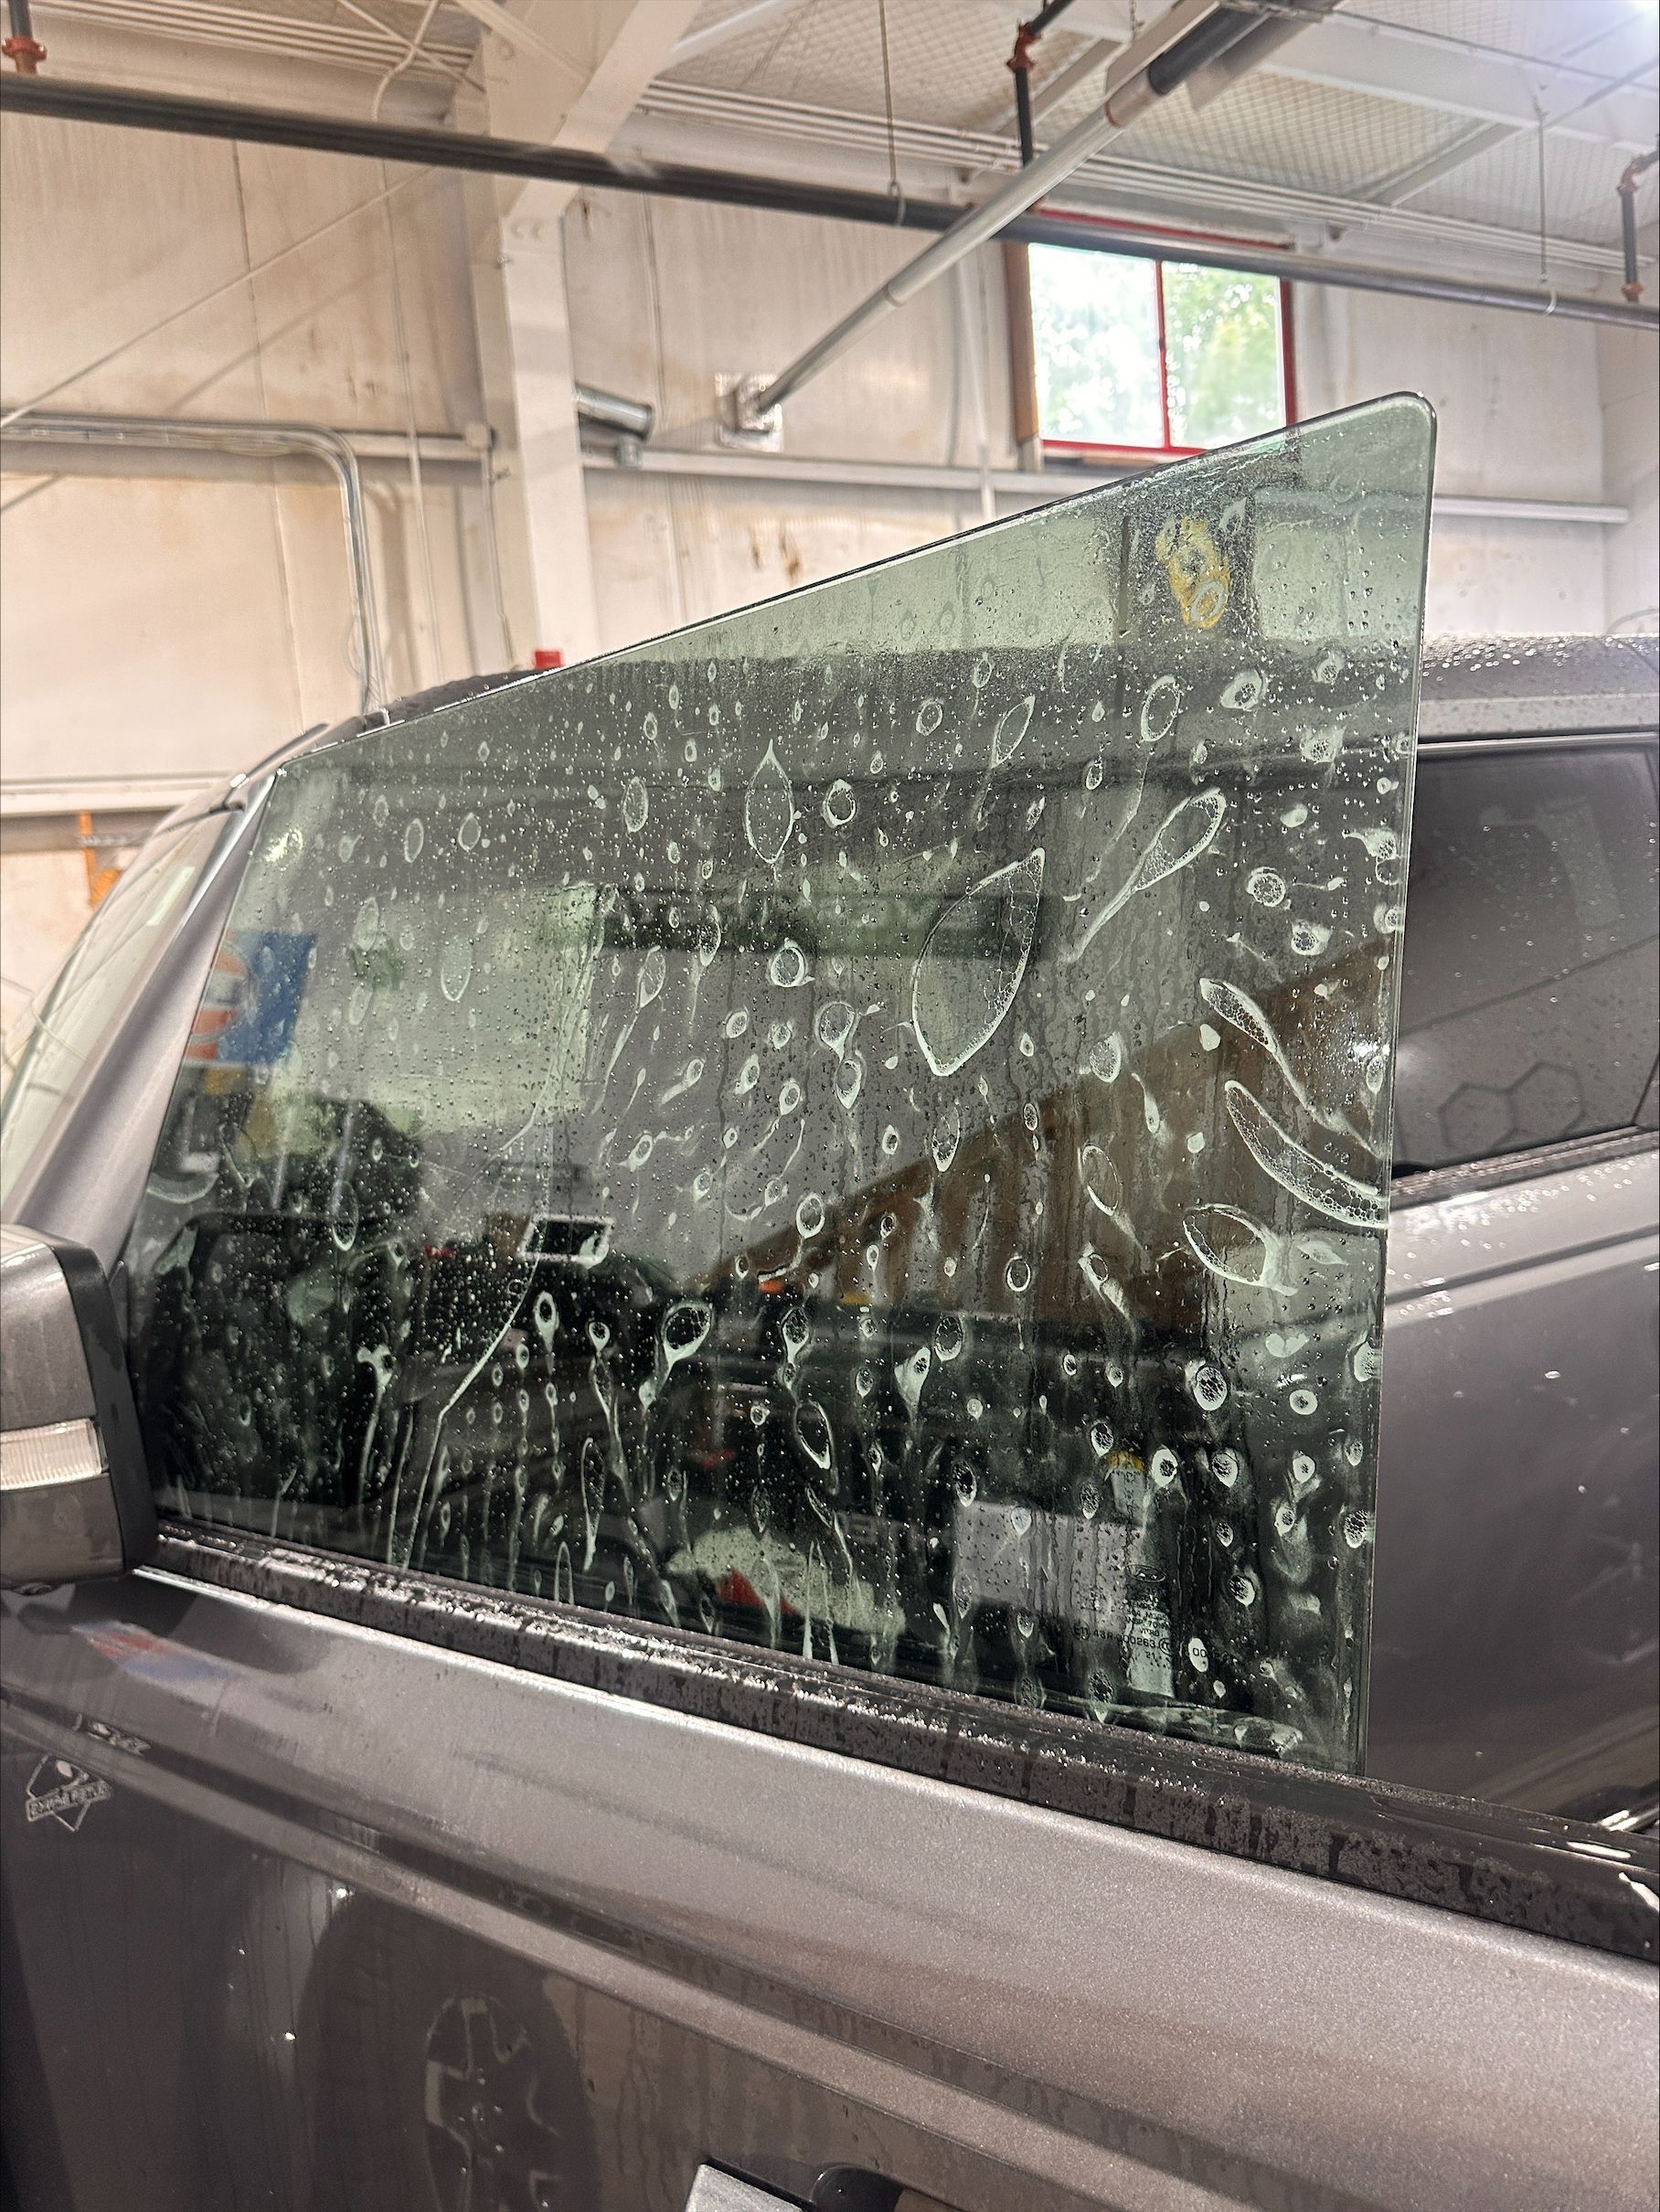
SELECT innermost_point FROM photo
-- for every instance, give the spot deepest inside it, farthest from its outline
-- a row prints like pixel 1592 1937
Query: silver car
pixel 713 1497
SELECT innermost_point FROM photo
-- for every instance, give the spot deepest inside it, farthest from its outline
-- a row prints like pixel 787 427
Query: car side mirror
pixel 75 1498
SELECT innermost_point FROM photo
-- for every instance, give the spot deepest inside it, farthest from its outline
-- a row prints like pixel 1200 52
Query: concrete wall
pixel 1516 403
pixel 1627 370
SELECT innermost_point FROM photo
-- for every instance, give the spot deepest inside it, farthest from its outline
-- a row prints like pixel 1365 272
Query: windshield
pixel 862 1127
pixel 55 1038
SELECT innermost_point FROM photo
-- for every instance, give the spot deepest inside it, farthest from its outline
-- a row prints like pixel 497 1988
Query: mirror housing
pixel 75 1500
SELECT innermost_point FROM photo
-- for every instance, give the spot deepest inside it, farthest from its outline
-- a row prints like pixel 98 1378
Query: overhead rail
pixel 429 146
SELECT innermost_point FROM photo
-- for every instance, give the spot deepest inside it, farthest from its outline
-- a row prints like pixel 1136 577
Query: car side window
pixel 1531 993
pixel 862 1127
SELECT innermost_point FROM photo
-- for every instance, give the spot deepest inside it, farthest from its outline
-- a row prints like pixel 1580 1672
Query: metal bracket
pixel 736 423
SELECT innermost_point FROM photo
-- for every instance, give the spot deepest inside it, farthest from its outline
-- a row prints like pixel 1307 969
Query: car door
pixel 1522 1398
pixel 757 1320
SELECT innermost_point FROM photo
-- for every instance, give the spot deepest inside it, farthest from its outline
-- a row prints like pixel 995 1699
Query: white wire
pixel 398 67
pixel 243 276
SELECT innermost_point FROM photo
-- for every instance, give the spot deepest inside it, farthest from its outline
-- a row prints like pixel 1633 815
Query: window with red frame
pixel 1155 357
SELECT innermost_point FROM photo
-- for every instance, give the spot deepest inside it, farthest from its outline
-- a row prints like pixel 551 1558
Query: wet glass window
pixel 861 1128
pixel 1531 995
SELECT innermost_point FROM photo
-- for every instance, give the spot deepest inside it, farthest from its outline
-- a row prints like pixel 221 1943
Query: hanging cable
pixel 206 299
pixel 398 67
pixel 893 145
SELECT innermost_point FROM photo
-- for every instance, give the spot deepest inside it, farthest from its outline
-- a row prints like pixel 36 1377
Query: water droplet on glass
pixel 787 966
pixel 957 1004
pixel 910 1375
pixel 1186 830
pixel 1266 886
pixel 455 966
pixel 653 969
pixel 1106 1059
pixel 467 835
pixel 1206 1384
pixel 414 837
pixel 1012 726
pixel 930 714
pixel 1326 1188
pixel 769 808
pixel 636 805
pixel 1159 710
pixel 839 804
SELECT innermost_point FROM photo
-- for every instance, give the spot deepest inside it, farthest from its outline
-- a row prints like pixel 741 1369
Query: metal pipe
pixel 611 412
pixel 1020 62
pixel 1632 288
pixel 1129 89
pixel 21 47
pixel 934 480
pixel 329 446
pixel 484 155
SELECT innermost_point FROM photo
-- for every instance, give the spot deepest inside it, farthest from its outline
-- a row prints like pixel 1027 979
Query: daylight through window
pixel 1157 356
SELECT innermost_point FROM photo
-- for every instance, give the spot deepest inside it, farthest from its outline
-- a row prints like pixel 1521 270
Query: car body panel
pixel 859 1931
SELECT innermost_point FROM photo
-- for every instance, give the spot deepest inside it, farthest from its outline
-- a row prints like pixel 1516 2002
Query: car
pixel 803 1558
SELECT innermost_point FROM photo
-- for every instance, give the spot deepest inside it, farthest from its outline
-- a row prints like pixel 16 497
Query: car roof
pixel 1473 687
pixel 1525 686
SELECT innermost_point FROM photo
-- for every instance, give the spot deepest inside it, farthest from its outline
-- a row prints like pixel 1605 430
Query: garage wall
pixel 165 620
pixel 1517 400
pixel 667 296
pixel 1627 366
pixel 219 593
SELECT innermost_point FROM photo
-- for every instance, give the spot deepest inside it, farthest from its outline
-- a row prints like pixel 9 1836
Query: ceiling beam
pixel 742 19
pixel 1420 69
pixel 1348 53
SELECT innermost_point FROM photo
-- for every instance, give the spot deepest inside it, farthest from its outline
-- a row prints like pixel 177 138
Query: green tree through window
pixel 1095 322
pixel 1222 354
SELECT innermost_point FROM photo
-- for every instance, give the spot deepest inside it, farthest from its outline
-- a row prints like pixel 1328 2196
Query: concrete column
pixel 567 72
pixel 524 332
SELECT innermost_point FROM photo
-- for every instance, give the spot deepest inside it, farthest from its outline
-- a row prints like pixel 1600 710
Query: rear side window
pixel 1531 993
pixel 861 1128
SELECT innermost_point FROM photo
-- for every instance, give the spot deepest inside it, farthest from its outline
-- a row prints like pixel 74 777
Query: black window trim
pixel 1528 1871
pixel 1560 1156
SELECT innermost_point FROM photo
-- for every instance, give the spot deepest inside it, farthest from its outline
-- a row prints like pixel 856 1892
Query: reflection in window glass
pixel 1531 993
pixel 103 965
pixel 1095 329
pixel 861 1128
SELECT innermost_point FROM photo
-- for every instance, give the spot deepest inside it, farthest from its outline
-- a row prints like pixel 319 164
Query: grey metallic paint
pixel 1099 2012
